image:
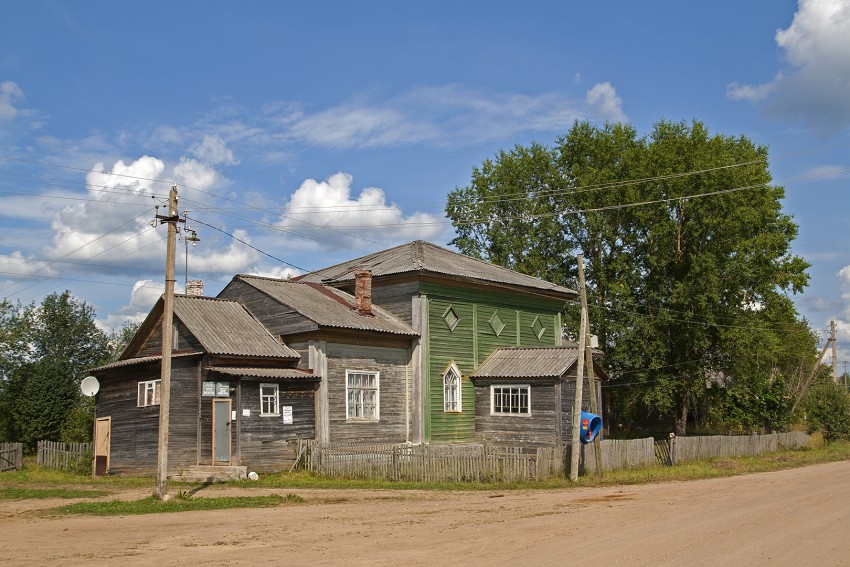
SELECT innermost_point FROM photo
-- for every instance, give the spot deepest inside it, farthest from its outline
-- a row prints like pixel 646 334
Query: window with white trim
pixel 269 399
pixel 451 389
pixel 514 399
pixel 362 395
pixel 148 394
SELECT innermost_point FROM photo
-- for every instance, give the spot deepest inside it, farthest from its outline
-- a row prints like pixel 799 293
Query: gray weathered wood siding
pixel 152 346
pixel 393 365
pixel 534 430
pixel 396 298
pixel 276 317
pixel 266 443
pixel 134 436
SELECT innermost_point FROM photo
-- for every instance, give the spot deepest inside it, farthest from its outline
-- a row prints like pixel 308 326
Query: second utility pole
pixel 167 321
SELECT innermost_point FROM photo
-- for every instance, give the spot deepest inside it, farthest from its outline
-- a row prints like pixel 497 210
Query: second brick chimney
pixel 363 292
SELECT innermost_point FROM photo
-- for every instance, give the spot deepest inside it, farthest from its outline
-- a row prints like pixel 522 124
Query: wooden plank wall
pixel 535 430
pixel 267 444
pixel 471 341
pixel 134 435
pixel 393 365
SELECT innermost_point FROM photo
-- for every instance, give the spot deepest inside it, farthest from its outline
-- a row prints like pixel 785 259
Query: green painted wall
pixel 471 340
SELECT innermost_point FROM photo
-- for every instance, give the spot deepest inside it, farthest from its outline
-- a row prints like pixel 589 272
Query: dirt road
pixel 796 517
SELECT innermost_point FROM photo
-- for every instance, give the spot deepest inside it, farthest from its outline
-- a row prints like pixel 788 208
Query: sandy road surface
pixel 797 517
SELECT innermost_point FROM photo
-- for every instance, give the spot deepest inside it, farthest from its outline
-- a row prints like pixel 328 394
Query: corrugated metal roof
pixel 531 362
pixel 141 360
pixel 226 328
pixel 327 306
pixel 286 373
pixel 424 257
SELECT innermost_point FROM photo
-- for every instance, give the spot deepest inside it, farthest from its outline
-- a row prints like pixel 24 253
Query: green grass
pixel 151 505
pixel 32 482
pixel 12 493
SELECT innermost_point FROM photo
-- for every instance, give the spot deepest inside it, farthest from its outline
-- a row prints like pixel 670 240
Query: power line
pixel 249 245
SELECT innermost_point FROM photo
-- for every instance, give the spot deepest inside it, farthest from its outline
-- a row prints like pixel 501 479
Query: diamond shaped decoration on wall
pixel 496 324
pixel 450 318
pixel 537 327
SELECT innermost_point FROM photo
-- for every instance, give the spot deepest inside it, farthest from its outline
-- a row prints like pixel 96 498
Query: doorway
pixel 102 428
pixel 221 431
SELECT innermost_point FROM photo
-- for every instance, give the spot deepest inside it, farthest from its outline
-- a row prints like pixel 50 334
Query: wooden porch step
pixel 207 473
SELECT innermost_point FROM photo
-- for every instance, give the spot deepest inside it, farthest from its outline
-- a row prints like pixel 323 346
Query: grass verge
pixel 178 504
pixel 12 493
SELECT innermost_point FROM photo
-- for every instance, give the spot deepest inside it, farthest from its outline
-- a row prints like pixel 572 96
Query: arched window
pixel 451 389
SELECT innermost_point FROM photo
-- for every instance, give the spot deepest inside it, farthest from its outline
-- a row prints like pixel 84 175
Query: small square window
pixel 362 395
pixel 269 399
pixel 510 400
pixel 148 393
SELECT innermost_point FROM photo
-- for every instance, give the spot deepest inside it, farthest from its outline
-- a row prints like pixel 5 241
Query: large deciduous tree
pixel 684 239
pixel 52 345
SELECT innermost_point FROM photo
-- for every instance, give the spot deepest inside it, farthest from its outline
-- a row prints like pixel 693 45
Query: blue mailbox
pixel 590 426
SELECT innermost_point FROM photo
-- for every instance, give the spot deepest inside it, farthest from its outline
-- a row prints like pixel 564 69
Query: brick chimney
pixel 195 287
pixel 363 292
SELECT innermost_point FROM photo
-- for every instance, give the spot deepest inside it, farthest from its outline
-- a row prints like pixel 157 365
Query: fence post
pixel 672 449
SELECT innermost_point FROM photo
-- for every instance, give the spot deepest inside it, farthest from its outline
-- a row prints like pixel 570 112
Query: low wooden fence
pixel 56 455
pixel 11 456
pixel 713 446
pixel 619 454
pixel 434 463
pixel 476 462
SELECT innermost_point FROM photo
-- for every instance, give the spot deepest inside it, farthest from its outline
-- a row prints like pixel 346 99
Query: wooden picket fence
pixel 11 456
pixel 434 463
pixel 713 446
pixel 57 455
pixel 477 462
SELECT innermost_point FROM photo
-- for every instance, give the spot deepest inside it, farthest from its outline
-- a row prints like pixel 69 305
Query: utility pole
pixel 588 353
pixel 834 355
pixel 171 219
pixel 575 444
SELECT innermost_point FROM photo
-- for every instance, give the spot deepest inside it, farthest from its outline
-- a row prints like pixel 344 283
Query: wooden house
pixel 413 344
pixel 231 381
pixel 463 311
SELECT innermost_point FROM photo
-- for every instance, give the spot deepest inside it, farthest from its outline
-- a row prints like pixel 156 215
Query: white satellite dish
pixel 89 386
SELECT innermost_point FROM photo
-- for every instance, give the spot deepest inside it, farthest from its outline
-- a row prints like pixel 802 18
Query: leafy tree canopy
pixel 687 252
pixel 46 350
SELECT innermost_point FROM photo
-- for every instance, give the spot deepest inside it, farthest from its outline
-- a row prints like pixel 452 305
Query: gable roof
pixel 425 258
pixel 327 306
pixel 222 327
pixel 528 362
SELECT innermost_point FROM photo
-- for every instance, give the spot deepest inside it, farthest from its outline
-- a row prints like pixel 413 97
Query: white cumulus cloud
pixel 328 210
pixel 814 88
pixel 10 95
pixel 603 99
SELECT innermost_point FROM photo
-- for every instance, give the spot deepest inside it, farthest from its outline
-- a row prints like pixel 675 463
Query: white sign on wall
pixel 287 415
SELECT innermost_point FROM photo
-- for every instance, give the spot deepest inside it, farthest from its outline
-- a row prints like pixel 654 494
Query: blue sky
pixel 318 132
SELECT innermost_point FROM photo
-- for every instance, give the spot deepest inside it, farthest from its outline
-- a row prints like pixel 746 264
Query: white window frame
pixel 455 398
pixel 510 387
pixel 148 393
pixel 273 398
pixel 354 411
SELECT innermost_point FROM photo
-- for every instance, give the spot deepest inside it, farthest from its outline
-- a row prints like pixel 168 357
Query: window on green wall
pixel 451 389
pixel 362 398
